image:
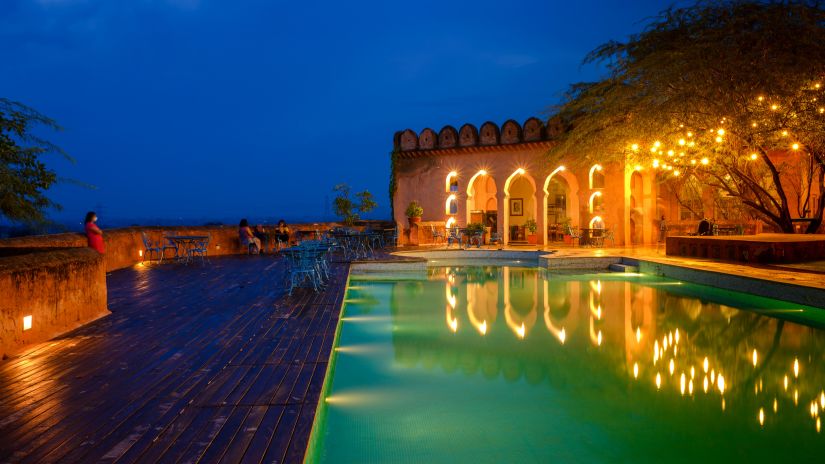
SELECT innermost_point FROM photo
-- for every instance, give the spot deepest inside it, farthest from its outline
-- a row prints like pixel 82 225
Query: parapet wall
pixel 54 291
pixel 61 283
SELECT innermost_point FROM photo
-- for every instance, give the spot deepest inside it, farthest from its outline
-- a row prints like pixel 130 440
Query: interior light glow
pixel 27 322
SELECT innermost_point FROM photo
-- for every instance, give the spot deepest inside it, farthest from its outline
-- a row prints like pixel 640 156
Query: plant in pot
pixel 532 227
pixel 414 212
pixel 475 232
pixel 566 230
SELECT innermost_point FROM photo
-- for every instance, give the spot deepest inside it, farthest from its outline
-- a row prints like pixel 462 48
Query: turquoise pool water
pixel 513 364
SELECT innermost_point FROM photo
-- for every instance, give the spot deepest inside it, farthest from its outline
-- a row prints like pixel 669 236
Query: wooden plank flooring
pixel 196 363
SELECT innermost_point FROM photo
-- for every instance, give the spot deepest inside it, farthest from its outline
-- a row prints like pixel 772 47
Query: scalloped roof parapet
pixel 489 134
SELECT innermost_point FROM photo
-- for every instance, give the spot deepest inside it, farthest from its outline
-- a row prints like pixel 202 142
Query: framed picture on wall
pixel 516 206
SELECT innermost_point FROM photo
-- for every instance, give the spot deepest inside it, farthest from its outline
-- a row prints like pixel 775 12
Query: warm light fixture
pixel 592 198
pixel 140 253
pixel 795 146
pixel 595 167
pixel 705 161
pixel 27 322
pixel 520 171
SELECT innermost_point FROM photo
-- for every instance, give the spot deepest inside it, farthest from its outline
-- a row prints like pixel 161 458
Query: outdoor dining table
pixel 592 236
pixel 183 243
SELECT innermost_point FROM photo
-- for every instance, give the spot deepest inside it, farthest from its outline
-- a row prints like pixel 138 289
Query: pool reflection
pixel 658 336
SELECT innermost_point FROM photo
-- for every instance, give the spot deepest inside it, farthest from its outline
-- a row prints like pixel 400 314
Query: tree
pixel 718 91
pixel 348 209
pixel 24 178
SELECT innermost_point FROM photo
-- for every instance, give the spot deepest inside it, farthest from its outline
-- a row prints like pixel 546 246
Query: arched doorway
pixel 482 205
pixel 561 204
pixel 520 205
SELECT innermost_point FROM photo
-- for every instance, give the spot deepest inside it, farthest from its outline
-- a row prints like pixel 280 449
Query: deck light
pixel 27 322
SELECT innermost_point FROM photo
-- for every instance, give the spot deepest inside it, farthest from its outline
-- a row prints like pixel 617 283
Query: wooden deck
pixel 209 364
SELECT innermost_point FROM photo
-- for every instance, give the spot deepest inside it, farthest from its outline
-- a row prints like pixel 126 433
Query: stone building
pixel 501 177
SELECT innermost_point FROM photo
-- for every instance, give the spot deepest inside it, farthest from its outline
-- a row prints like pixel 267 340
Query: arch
pixel 527 189
pixel 510 132
pixel 595 177
pixel 468 136
pixel 520 323
pixel 560 334
pixel 571 197
pixel 409 140
pixel 532 129
pixel 427 139
pixel 594 203
pixel 447 137
pixel 451 183
pixel 636 211
pixel 451 206
pixel 488 134
pixel 482 199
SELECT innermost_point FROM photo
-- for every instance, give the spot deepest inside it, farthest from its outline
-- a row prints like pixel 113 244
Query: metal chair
pixel 167 244
pixel 200 248
pixel 608 235
pixel 436 234
pixel 455 236
pixel 302 269
pixel 150 247
pixel 495 237
pixel 569 231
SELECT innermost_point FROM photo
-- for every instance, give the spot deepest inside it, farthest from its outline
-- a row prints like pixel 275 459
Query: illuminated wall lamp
pixel 593 198
pixel 27 322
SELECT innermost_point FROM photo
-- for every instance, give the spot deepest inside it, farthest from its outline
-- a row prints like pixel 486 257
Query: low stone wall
pixel 762 248
pixel 54 291
pixel 123 246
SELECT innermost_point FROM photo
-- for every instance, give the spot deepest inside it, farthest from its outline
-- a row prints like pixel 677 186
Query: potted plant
pixel 414 212
pixel 565 228
pixel 531 227
pixel 476 229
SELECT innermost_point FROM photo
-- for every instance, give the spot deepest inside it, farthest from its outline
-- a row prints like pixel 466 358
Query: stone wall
pixel 59 289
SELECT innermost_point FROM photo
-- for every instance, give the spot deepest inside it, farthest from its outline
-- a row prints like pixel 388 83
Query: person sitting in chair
pixel 247 238
pixel 704 227
pixel 282 233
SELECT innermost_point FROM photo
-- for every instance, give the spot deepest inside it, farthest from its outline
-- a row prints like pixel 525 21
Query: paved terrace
pixel 195 363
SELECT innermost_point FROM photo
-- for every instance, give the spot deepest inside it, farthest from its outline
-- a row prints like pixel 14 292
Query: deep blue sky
pixel 222 109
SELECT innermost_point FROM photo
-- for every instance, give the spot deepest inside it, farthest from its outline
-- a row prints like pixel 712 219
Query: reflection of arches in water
pixel 482 305
pixel 559 333
pixel 452 321
pixel 520 294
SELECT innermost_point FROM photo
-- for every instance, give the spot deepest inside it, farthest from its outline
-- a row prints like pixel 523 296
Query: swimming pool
pixel 514 364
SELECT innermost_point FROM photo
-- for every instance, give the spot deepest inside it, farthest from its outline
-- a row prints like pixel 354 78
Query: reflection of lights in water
pixel 692 372
pixel 795 367
pixel 521 330
pixel 670 338
pixel 596 286
pixel 720 382
pixel 755 357
pixel 599 338
pixel 638 334
pixel 786 382
pixel 814 408
pixel 655 351
pixel 677 336
pixel 795 397
pixel 705 365
pixel 817 425
pixel 713 376
pixel 675 349
pixel 483 327
pixel 635 370
pixel 775 405
pixel 682 383
pixel 664 343
pixel 822 400
pixel 562 335
pixel 761 416
pixel 671 367
pixel 705 384
pixel 454 325
pixel 690 386
pixel 658 380
pixel 723 404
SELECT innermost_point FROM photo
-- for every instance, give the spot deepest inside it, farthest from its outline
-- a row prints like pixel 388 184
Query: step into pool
pixel 514 364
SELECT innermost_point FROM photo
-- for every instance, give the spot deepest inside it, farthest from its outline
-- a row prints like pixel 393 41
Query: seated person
pixel 260 233
pixel 247 238
pixel 704 227
pixel 282 233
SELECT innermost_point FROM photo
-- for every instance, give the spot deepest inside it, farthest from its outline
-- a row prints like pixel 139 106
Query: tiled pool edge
pixel 800 294
pixel 328 376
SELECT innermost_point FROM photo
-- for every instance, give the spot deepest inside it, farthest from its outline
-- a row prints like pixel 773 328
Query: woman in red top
pixel 93 233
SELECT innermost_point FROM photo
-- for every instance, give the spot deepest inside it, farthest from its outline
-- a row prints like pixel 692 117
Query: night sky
pixel 214 110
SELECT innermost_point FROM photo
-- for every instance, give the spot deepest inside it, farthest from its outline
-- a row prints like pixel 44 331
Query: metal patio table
pixel 184 243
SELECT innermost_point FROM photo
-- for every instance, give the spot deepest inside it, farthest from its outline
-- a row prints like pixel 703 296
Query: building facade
pixel 501 177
